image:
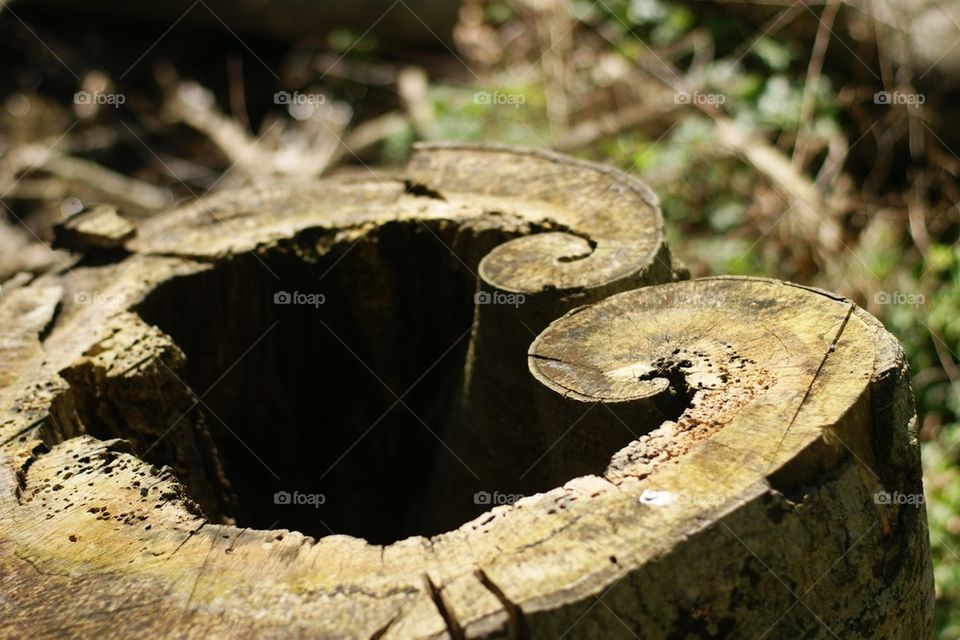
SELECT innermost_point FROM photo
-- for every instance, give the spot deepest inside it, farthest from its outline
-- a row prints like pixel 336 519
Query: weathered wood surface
pixel 696 456
pixel 99 229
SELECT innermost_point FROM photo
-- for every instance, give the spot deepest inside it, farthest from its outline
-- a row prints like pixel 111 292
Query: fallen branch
pixel 115 187
pixel 611 124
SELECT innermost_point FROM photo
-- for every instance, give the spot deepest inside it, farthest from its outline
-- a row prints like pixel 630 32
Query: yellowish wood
pixel 711 449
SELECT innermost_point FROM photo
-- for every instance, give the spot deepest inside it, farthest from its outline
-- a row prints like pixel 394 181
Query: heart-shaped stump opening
pixel 727 427
pixel 332 381
pixel 367 376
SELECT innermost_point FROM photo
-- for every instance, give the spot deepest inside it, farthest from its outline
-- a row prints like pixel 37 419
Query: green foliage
pixel 774 54
pixel 397 148
pixel 497 12
pixel 511 114
pixel 344 40
pixel 942 481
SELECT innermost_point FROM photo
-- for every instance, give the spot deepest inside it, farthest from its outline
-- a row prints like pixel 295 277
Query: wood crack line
pixel 518 623
pixel 382 631
pixel 823 361
pixel 36 423
pixel 190 534
pixel 200 573
pixel 453 625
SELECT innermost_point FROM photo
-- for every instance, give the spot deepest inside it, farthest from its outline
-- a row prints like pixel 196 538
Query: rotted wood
pixel 98 229
pixel 681 458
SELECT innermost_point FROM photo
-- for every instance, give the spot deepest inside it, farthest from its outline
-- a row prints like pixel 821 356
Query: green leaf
pixel 677 22
pixel 772 53
pixel 646 11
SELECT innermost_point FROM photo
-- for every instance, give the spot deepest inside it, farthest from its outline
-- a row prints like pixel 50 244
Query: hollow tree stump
pixel 699 458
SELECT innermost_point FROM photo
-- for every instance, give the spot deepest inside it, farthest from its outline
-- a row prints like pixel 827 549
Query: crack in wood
pixel 518 622
pixel 443 608
pixel 823 361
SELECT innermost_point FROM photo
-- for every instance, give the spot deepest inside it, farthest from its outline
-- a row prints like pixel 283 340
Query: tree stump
pixel 305 410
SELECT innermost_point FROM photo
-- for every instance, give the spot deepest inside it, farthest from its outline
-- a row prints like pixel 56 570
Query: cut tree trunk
pixel 377 408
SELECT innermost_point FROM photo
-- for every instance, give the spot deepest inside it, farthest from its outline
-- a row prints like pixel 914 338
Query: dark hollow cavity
pixel 300 394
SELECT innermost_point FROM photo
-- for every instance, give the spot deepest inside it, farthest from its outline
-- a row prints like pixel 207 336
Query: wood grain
pixel 693 458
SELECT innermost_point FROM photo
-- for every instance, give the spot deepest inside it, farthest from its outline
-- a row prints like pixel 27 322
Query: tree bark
pixel 725 457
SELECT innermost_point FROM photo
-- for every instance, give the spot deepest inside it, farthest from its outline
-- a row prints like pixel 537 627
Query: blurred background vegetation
pixel 810 141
